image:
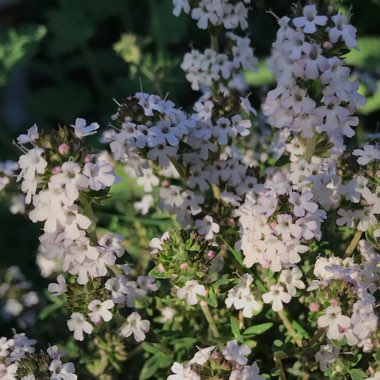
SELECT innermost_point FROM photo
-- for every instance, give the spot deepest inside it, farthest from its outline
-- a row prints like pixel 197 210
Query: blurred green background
pixel 70 58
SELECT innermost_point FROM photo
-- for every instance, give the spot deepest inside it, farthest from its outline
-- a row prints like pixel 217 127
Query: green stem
pixel 310 146
pixel 278 356
pixel 354 242
pixel 289 327
pixel 214 42
pixel 180 169
pixel 116 270
pixel 87 210
pixel 315 338
pixel 210 319
pixel 215 191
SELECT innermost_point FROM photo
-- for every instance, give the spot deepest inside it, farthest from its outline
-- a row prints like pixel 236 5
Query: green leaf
pixel 370 237
pixel 48 310
pixel 258 329
pixel 156 274
pixel 234 327
pixel 260 285
pixel 357 374
pixel 212 299
pixel 238 256
pixel 263 76
pixel 300 330
pixel 151 366
pixel 17 46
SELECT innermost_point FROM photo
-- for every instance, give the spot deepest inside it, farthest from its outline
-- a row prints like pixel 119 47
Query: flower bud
pixel 63 149
pixel 314 307
pixel 56 170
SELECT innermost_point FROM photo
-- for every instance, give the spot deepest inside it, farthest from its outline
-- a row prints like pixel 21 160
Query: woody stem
pixel 210 319
pixel 354 242
pixel 289 327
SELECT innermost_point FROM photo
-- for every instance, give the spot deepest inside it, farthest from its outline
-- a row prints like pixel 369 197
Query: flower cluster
pixel 230 362
pixel 347 289
pixel 60 175
pixel 209 69
pixel 315 95
pixel 19 359
pixel 63 178
pixel 185 259
pixel 214 13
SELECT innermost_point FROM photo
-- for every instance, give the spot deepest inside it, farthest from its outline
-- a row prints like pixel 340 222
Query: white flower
pixel 100 174
pixel 100 310
pixel 72 179
pixel 183 373
pixel 326 355
pixel 234 352
pixel 291 279
pixel 180 5
pixel 309 20
pixel 8 372
pixel 62 371
pixel 136 326
pixel 48 207
pixel 56 289
pixel 5 345
pixel 276 296
pixel 32 163
pixel 335 322
pixel 302 203
pixel 144 205
pixel 30 137
pixel 247 373
pixel 190 291
pixel 78 324
pixel 286 228
pixel 207 227
pixel 241 297
pixel 81 129
pixel 342 30
pixel 346 218
pixel 368 154
pixel 202 356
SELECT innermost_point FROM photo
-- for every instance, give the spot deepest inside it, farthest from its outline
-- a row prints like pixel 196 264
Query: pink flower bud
pixel 88 158
pixel 56 170
pixel 160 268
pixel 184 266
pixel 165 183
pixel 63 149
pixel 378 173
pixel 327 45
pixel 203 303
pixel 215 356
pixel 210 255
pixel 314 307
